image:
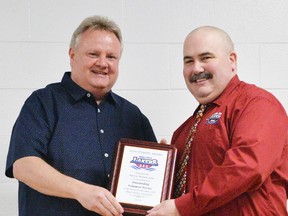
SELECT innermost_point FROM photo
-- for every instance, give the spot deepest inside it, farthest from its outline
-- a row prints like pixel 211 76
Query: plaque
pixel 142 174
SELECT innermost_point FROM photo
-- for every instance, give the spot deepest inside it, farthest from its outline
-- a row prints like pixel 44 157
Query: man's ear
pixel 71 53
pixel 233 60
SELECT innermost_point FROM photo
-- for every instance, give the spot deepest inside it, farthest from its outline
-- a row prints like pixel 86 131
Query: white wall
pixel 34 40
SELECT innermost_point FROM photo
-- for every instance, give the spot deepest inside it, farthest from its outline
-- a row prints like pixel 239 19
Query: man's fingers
pixel 116 205
pixel 155 208
pixel 163 141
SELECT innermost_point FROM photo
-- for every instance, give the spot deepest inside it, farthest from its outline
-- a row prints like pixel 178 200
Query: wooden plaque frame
pixel 167 181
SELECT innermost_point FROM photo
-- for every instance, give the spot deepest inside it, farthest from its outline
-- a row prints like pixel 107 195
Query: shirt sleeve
pixel 30 134
pixel 258 137
pixel 148 130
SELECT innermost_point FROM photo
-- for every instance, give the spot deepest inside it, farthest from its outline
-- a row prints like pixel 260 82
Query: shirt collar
pixel 78 92
pixel 227 91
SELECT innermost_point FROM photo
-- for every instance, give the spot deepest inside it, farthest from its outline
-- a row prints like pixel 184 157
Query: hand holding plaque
pixel 143 174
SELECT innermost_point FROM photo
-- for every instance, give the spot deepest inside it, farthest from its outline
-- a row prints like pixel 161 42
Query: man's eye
pixel 93 55
pixel 206 58
pixel 188 61
pixel 111 57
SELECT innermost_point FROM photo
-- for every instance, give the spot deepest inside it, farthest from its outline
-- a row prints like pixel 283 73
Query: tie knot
pixel 200 112
pixel 202 108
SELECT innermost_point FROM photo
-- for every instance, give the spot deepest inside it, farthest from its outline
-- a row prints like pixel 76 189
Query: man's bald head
pixel 217 34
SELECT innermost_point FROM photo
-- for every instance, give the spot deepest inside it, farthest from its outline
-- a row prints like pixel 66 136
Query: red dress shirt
pixel 239 157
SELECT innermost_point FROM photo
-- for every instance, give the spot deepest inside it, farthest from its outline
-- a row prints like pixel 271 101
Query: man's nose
pixel 198 67
pixel 102 62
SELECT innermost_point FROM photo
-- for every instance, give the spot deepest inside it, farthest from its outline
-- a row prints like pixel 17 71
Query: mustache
pixel 202 75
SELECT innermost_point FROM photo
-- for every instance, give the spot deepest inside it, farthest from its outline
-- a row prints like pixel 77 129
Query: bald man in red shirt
pixel 238 160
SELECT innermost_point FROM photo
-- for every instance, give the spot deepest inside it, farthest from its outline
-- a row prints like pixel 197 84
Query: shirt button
pixel 88 95
pixel 108 175
pixel 98 110
pixel 106 155
pixel 102 131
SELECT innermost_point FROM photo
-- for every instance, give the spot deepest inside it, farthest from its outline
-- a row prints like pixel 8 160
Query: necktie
pixel 180 180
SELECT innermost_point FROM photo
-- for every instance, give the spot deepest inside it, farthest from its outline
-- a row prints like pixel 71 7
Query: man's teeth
pixel 98 72
pixel 199 80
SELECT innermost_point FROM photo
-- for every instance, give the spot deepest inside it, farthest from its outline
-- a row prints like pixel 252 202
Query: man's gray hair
pixel 95 23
